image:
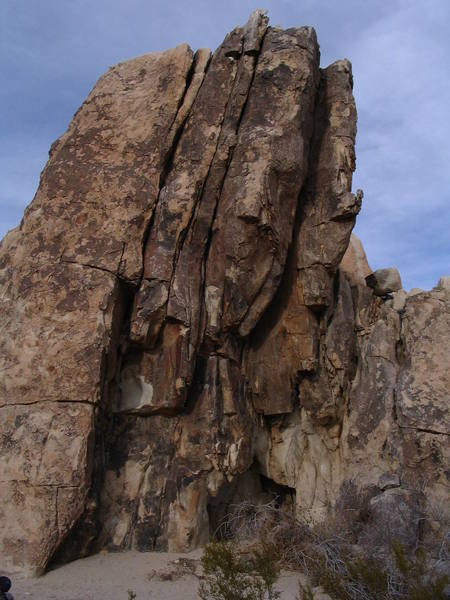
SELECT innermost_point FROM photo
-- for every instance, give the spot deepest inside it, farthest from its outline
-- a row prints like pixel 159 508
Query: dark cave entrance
pixel 236 502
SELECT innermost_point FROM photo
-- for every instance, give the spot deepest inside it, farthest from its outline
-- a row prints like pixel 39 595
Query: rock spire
pixel 179 327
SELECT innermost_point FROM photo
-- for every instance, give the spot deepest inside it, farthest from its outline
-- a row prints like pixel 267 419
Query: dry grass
pixel 354 558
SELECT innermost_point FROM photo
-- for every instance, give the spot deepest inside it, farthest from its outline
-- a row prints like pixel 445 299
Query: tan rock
pixel 61 302
pixel 424 379
pixel 395 433
pixel 354 262
pixel 399 300
pixel 182 327
pixel 384 281
pixel 415 291
pixel 444 283
pixel 46 455
pixel 255 217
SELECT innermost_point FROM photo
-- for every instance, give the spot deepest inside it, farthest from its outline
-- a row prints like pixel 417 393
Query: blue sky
pixel 53 51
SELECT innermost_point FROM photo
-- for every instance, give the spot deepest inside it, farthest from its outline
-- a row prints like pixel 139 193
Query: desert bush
pixel 305 592
pixel 329 556
pixel 229 576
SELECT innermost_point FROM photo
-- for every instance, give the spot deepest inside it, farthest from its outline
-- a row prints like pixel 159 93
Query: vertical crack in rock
pixel 188 198
pixel 179 195
pixel 286 335
pixel 188 282
pixel 182 166
pixel 78 540
pixel 256 30
pixel 194 80
pixel 179 331
pixel 253 225
pixel 329 209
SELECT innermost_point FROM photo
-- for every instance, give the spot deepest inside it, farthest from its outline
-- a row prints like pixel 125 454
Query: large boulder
pixel 181 324
pixel 384 281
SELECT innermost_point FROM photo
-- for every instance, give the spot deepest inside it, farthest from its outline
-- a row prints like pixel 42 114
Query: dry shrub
pixel 379 568
pixel 230 576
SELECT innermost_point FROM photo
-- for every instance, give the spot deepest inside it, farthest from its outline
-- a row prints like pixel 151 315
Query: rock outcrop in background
pixel 179 328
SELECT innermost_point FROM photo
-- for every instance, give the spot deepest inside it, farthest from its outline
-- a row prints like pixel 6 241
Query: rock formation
pixel 179 326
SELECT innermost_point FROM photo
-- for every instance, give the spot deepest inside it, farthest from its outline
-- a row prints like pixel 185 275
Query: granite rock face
pixel 186 321
pixel 384 281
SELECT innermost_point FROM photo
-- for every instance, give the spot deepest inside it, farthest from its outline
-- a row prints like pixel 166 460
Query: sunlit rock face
pixel 180 329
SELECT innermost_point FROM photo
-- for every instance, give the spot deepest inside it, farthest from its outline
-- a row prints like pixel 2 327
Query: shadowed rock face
pixel 176 329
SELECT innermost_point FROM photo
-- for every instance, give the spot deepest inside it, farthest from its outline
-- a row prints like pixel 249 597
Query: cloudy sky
pixel 53 51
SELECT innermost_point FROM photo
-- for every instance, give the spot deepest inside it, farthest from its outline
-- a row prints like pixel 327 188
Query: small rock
pixel 415 291
pixel 399 300
pixel 354 262
pixel 444 283
pixel 319 594
pixel 384 281
pixel 436 526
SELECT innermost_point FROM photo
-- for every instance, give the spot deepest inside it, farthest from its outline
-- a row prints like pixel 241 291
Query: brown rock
pixel 424 379
pixel 177 333
pixel 288 335
pixel 384 281
pixel 354 262
pixel 62 303
pixel 46 453
pixel 328 209
pixel 255 218
pixel 323 394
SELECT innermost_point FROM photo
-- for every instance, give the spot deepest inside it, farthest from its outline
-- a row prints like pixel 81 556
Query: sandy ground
pixel 151 575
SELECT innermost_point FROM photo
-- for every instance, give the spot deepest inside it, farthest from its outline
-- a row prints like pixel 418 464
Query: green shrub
pixel 330 558
pixel 414 580
pixel 266 567
pixel 229 577
pixel 368 578
pixel 305 591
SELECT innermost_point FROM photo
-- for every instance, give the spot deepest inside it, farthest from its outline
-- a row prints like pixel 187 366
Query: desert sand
pixel 151 575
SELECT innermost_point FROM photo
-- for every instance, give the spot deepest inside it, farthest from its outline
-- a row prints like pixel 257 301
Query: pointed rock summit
pixel 177 332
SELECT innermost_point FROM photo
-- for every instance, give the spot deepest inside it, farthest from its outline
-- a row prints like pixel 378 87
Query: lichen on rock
pixel 186 320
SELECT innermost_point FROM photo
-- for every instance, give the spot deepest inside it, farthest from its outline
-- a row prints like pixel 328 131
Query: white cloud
pixel 401 66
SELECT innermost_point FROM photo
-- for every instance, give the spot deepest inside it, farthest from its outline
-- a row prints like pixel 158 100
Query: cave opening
pixel 233 509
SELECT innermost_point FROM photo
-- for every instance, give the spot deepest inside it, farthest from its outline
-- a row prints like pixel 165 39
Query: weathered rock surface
pixel 186 321
pixel 384 281
pixel 64 275
pixel 354 263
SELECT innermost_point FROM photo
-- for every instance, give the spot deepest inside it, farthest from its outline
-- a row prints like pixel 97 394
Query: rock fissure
pixel 182 115
pixel 188 323
pixel 168 160
pixel 423 430
pixel 222 169
pixel 80 264
pixel 50 401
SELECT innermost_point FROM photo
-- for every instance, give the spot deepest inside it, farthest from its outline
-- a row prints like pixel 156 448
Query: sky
pixel 53 51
